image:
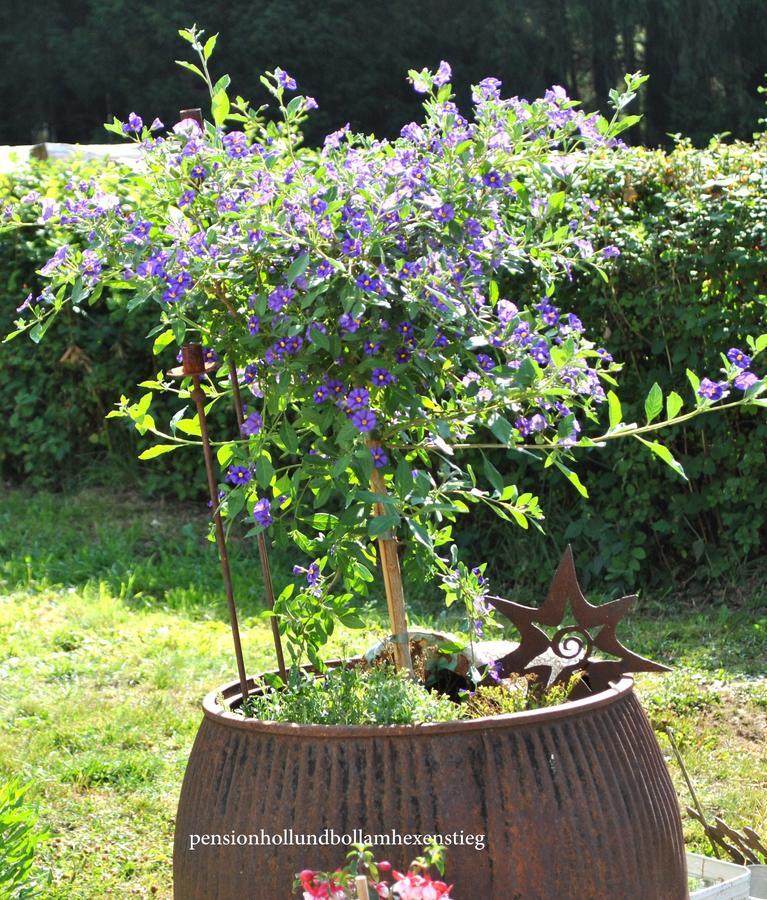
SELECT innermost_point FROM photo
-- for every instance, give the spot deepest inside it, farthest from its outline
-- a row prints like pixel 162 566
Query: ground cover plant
pixel 93 611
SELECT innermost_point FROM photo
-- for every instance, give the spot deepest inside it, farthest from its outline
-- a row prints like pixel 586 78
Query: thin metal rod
pixel 683 767
pixel 262 549
pixel 199 399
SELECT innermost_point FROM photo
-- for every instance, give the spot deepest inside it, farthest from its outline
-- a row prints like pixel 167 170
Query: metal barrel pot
pixel 570 801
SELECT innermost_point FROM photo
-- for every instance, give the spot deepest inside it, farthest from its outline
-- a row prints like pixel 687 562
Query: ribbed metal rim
pixel 571 709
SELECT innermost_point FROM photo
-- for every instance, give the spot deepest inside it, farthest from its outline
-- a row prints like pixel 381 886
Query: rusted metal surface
pixel 193 365
pixel 574 801
pixel 263 553
pixel 554 659
pixel 744 847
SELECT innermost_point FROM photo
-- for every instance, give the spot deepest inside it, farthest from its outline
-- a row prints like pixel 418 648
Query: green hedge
pixel 690 283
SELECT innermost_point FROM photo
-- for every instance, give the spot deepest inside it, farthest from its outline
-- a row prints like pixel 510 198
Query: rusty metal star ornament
pixel 555 659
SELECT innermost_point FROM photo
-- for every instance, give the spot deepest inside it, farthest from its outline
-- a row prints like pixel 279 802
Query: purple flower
pixel 262 512
pixel 495 671
pixel 744 380
pixel 238 475
pixel 367 282
pixel 444 213
pixel 30 299
pixel 370 347
pixel 56 260
pixel 333 141
pixel 603 354
pixel 574 323
pixel 313 574
pixel 402 354
pixel 48 207
pixel 252 425
pixel 335 387
pixel 236 144
pixel 444 74
pixel 380 459
pixel 485 362
pixel 492 179
pixel 351 246
pixel 364 420
pixel 284 80
pixel 254 323
pixel 549 314
pixel 348 324
pixel 522 425
pixel 133 125
pixel 359 398
pixel 540 353
pixel 90 266
pixel 321 394
pixel 310 103
pixel 156 125
pixel 712 390
pixel 279 298
pixel 610 251
pixel 382 377
pixel 487 89
pixel 318 205
pixel 189 128
pixel 738 358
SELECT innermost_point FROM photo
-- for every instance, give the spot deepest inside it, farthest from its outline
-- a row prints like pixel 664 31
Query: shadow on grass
pixel 157 555
pixel 146 554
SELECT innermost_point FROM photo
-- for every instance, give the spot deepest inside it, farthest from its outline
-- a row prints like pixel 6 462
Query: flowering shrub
pixel 355 291
pixel 415 884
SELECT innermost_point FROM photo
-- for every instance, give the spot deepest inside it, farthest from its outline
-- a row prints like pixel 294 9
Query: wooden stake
pixel 361 883
pixel 395 593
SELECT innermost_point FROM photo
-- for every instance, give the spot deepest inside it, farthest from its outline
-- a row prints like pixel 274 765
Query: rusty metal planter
pixel 573 801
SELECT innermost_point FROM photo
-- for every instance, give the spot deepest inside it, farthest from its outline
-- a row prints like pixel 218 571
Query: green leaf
pixel 264 471
pixel 493 475
pixel 572 477
pixel 162 341
pixel 665 454
pixel 189 426
pixel 297 268
pixel 210 46
pixel 224 454
pixel 694 381
pixel 219 107
pixel 380 524
pixel 673 404
pixel 158 450
pixel 760 343
pixel 519 518
pixel 501 428
pixel 653 403
pixel 191 66
pixel 403 477
pixel 221 85
pixel 614 406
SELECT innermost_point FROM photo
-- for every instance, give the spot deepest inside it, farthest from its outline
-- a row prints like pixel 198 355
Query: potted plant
pixel 383 314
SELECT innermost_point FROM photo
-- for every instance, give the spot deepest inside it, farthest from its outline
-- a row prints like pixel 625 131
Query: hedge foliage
pixel 691 281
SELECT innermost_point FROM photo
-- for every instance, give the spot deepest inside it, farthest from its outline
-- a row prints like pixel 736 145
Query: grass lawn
pixel 112 627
